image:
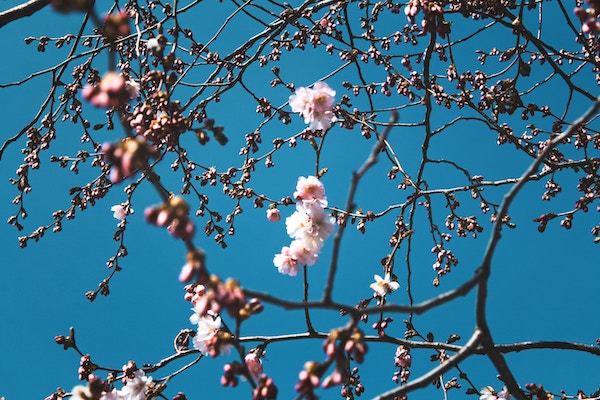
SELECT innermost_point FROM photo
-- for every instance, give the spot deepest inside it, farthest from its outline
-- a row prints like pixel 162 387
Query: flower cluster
pixel 341 346
pixel 127 157
pixel 589 17
pixel 159 120
pixel 112 91
pixel 231 373
pixel 309 226
pixel 309 379
pixel 315 105
pixel 174 215
pixel 214 296
pixel 135 387
pixel 195 266
pixel 116 26
pixel 433 20
pixel 402 360
pixel 265 389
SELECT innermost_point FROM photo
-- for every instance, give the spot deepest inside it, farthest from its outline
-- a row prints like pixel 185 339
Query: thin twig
pixel 356 177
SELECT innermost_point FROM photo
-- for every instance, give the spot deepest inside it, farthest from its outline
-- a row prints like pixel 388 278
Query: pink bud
pixel 254 364
pixel 163 218
pixel 273 215
pixel 581 13
pixel 186 274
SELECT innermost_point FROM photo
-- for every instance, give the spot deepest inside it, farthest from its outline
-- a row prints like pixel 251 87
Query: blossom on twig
pixel 309 226
pixel 315 105
pixel 488 393
pixel 121 211
pixel 210 339
pixel 383 286
pixel 136 387
pixel 112 91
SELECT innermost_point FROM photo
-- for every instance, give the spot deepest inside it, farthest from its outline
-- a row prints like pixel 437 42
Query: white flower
pixel 315 105
pixel 154 45
pixel 134 88
pixel 208 326
pixel 309 226
pixel 113 395
pixel 285 262
pixel 135 389
pixel 488 393
pixel 121 211
pixel 254 364
pixel 384 286
pixel 312 226
pixel 303 255
pixel 309 188
pixel 81 392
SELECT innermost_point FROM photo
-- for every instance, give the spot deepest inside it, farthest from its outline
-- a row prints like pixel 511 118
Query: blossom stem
pixel 309 326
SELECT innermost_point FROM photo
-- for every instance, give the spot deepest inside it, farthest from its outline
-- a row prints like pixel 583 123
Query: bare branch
pixel 22 10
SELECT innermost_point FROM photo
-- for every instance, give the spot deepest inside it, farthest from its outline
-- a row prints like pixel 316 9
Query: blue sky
pixel 543 286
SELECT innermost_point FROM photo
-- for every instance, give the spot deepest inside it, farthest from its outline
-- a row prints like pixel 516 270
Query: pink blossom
pixel 488 393
pixel 206 339
pixel 113 395
pixel 135 389
pixel 112 91
pixel 311 226
pixel 254 363
pixel 309 188
pixel 285 263
pixel 187 272
pixel 302 255
pixel 195 266
pixel 403 358
pixel 315 105
pixel 273 215
pixel 81 392
pixel 121 211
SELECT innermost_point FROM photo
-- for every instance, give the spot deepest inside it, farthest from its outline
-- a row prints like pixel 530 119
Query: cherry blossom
pixel 112 91
pixel 303 255
pixel 208 339
pixel 273 215
pixel 81 392
pixel 309 226
pixel 195 266
pixel 383 286
pixel 113 395
pixel 121 211
pixel 136 387
pixel 309 188
pixel 312 228
pixel 315 105
pixel 254 363
pixel 285 262
pixel 157 44
pixel 488 393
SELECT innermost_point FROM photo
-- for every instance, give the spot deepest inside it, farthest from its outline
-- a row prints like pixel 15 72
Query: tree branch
pixel 356 177
pixel 426 379
pixel 22 10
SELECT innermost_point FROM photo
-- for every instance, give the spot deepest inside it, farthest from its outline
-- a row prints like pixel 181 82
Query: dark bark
pixel 22 10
